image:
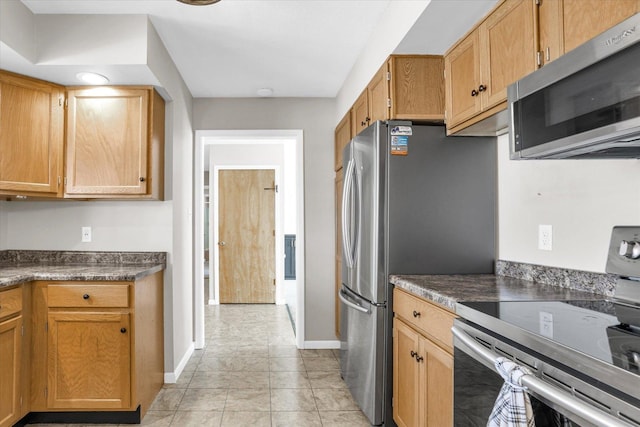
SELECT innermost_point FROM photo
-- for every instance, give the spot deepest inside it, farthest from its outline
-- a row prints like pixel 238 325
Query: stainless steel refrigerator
pixel 414 202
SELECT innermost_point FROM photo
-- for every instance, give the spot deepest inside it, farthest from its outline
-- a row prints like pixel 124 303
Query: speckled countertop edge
pixel 18 267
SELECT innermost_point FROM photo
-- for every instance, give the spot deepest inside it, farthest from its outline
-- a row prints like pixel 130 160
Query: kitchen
pixel 567 195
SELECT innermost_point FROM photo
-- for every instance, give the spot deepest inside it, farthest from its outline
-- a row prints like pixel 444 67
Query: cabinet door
pixel 550 30
pixel 89 360
pixel 107 141
pixel 10 355
pixel 439 384
pixel 417 87
pixel 359 114
pixel 585 19
pixel 31 136
pixel 408 378
pixel 378 93
pixel 508 48
pixel 462 74
pixel 342 138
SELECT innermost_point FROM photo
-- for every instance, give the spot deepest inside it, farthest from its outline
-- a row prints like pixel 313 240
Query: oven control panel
pixel 624 252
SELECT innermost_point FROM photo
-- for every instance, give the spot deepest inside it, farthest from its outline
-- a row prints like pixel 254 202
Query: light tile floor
pixel 252 374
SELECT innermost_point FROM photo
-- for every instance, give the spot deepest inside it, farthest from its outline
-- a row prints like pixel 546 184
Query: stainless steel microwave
pixel 585 104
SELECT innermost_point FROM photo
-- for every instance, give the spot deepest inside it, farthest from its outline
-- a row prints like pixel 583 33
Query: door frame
pixel 289 138
pixel 214 179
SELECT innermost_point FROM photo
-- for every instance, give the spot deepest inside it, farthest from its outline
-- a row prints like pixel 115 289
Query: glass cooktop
pixel 603 330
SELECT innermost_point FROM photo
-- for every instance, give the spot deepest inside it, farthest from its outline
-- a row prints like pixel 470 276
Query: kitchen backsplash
pixel 80 257
pixel 600 283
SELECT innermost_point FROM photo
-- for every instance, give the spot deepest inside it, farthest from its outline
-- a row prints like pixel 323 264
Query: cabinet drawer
pixel 88 296
pixel 432 321
pixel 10 302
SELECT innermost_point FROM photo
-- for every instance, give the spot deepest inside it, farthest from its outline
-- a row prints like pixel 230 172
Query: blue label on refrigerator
pixel 402 130
pixel 399 145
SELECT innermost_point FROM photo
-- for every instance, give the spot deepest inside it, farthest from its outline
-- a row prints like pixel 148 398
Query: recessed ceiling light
pixel 265 92
pixel 198 2
pixel 92 78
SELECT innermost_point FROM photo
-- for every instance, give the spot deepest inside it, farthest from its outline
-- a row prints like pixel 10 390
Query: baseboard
pixel 172 377
pixel 321 345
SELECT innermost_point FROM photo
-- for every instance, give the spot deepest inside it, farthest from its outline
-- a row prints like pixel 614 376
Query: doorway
pixel 252 143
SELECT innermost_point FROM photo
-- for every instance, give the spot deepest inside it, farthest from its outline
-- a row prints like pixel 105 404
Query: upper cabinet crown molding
pixel 113 145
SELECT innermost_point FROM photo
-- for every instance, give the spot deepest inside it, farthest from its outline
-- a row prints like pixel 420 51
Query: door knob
pixel 221 243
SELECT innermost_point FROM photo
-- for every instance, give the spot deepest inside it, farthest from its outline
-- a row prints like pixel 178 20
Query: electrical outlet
pixel 86 234
pixel 545 237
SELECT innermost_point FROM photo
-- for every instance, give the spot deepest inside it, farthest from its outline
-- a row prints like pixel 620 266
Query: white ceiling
pixel 299 48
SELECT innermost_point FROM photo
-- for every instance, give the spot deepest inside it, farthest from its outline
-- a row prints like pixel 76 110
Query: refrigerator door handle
pixel 346 230
pixel 343 297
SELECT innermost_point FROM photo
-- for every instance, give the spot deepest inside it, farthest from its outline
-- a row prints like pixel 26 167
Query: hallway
pixel 251 374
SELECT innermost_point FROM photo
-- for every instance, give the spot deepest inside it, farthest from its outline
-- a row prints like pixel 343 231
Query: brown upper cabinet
pixel 406 87
pixel 566 24
pixel 31 136
pixel 114 143
pixel 342 138
pixel 514 39
pixel 493 55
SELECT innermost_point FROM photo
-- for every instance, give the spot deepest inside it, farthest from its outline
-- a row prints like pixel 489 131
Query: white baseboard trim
pixel 321 345
pixel 172 377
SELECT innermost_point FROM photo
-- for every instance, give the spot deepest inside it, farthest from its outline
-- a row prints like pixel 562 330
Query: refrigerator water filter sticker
pixel 399 145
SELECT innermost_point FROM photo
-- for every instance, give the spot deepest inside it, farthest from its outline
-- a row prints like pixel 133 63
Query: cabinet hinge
pixel 274 282
pixel 46 392
pixel 46 326
pixel 22 330
pixel 539 58
pixel 65 181
pixel 388 76
pixel 66 103
pixel 60 102
pixel 21 402
pixel 389 102
pixel 537 2
pixel 59 180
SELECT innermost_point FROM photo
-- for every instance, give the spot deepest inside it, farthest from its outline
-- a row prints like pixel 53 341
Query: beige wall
pixel 316 118
pixel 581 199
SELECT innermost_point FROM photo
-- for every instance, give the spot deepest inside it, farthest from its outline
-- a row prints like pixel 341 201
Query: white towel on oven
pixel 513 406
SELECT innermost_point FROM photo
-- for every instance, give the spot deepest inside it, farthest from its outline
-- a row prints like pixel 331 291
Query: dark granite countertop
pixel 25 266
pixel 446 290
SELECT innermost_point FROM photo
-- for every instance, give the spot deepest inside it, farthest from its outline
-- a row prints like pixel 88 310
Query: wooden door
pixel 246 236
pixel 360 113
pixel 378 93
pixel 462 73
pixel 508 47
pixel 550 30
pixel 10 355
pixel 417 87
pixel 89 360
pixel 585 19
pixel 342 138
pixel 407 378
pixel 107 141
pixel 31 135
pixel 438 384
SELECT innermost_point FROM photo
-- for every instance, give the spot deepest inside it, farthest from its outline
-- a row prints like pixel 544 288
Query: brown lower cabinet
pixel 422 363
pixel 86 347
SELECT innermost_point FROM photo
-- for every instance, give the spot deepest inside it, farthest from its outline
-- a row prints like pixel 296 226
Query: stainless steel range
pixel 584 355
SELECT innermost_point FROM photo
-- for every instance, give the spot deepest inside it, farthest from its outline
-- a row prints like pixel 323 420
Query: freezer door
pixel 361 216
pixel 362 354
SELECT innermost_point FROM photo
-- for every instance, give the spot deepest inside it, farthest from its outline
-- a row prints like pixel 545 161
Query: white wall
pixel 317 119
pixel 18 29
pixel 581 199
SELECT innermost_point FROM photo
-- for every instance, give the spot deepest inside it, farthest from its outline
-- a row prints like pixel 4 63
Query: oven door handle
pixel 542 388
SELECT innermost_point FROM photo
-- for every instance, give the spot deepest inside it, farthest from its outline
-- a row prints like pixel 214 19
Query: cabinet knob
pixel 482 88
pixel 368 119
pixel 363 123
pixel 419 358
pixel 474 92
pixel 123 330
pixel 142 179
pixel 85 296
pixel 413 353
pixel 416 313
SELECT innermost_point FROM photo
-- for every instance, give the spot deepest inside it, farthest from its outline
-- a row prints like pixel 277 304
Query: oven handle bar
pixel 543 389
